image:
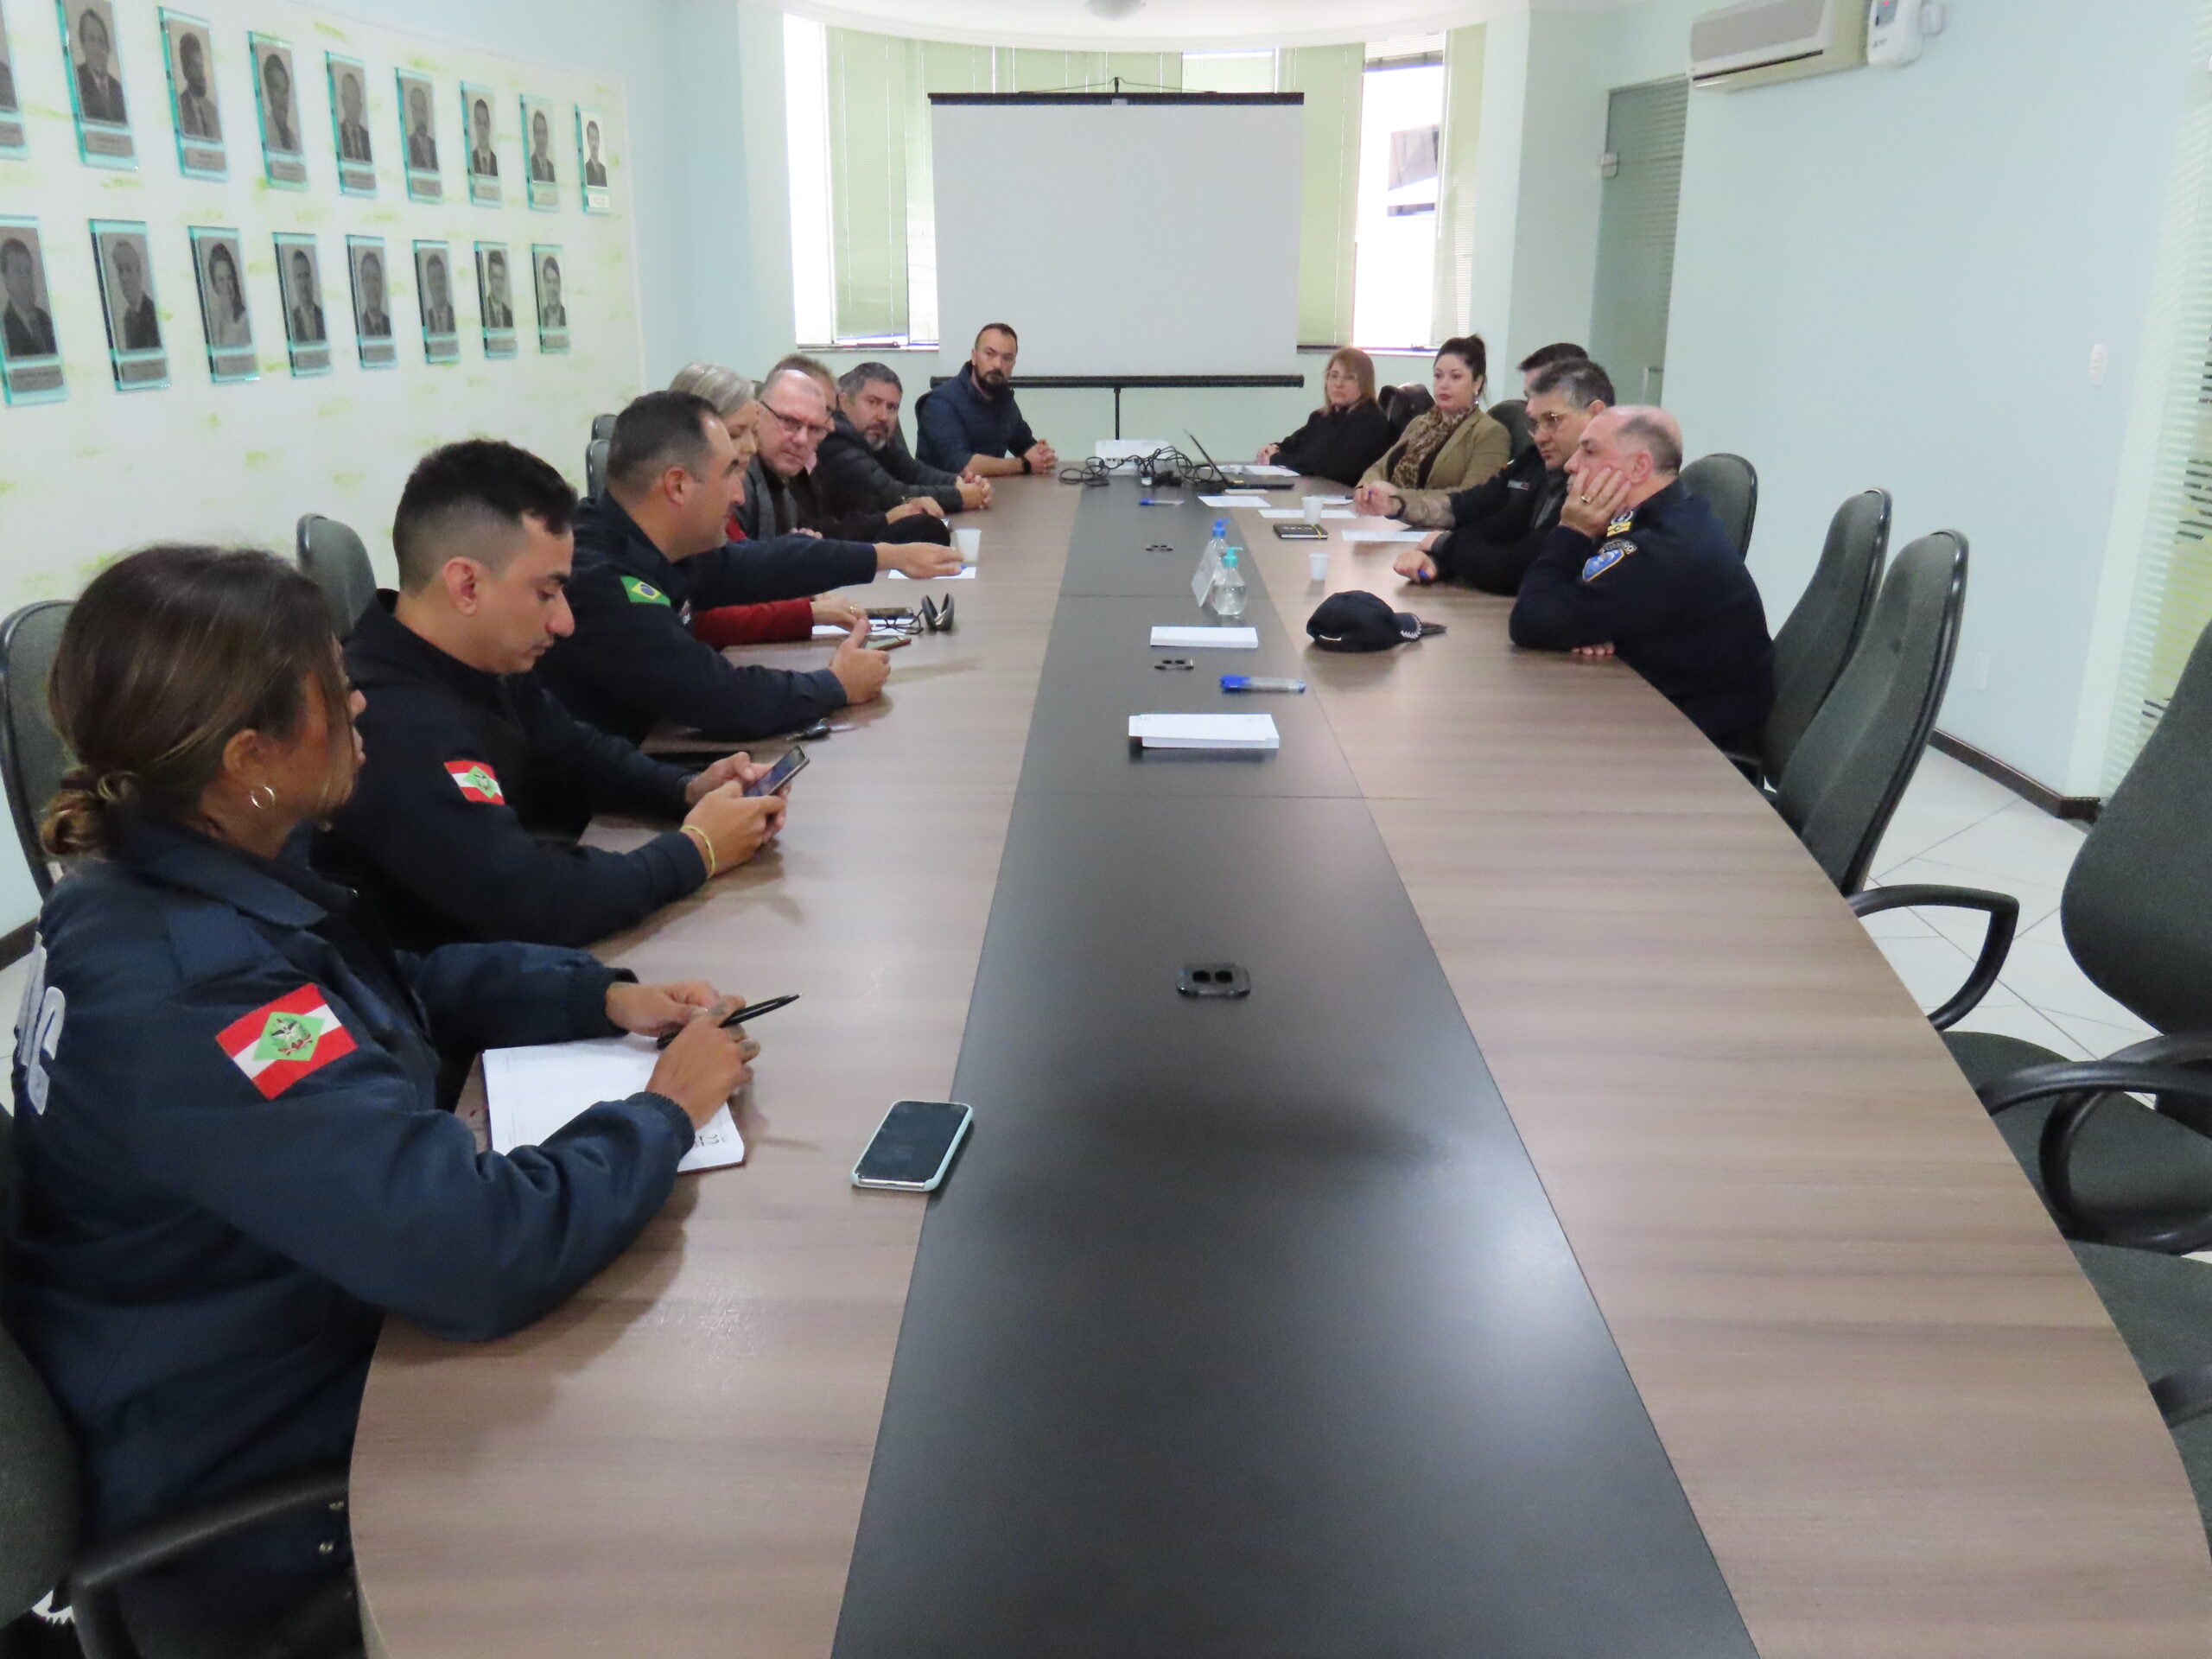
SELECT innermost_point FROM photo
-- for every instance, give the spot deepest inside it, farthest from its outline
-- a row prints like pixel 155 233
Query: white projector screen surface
pixel 1122 238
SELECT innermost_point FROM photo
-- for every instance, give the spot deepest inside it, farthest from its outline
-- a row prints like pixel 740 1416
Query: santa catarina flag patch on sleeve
pixel 283 1041
pixel 478 781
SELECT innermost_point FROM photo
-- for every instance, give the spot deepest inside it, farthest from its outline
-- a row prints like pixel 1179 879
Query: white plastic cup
pixel 969 542
pixel 1313 505
pixel 1317 564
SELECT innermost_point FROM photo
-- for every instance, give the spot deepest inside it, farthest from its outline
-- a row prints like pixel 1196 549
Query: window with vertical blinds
pixel 1455 225
pixel 2172 604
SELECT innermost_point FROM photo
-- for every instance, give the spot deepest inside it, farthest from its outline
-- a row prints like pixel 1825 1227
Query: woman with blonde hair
pixel 1452 446
pixel 1347 434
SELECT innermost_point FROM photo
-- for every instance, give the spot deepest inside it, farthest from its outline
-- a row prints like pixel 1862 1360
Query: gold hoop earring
pixel 255 795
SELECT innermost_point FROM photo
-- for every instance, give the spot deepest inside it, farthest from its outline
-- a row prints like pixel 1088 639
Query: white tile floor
pixel 1957 828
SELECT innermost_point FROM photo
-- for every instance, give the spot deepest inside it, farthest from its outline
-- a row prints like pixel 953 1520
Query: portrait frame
pixel 379 349
pixel 227 329
pixel 309 345
pixel 197 116
pixel 591 143
pixel 132 323
pixel 32 375
pixel 356 151
pixel 440 330
pixel 494 261
pixel 541 169
pixel 14 137
pixel 424 183
pixel 484 188
pixel 284 169
pixel 553 312
pixel 101 107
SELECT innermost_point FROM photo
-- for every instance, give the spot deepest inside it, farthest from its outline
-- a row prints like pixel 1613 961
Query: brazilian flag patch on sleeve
pixel 642 592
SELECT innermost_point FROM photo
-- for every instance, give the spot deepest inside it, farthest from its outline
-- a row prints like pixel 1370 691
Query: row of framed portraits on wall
pixel 30 359
pixel 105 136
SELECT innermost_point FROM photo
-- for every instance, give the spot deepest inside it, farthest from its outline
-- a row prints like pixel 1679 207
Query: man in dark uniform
pixel 1639 568
pixel 865 466
pixel 652 545
pixel 1501 525
pixel 473 769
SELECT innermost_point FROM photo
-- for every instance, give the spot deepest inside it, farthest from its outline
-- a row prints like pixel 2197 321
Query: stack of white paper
pixel 1236 498
pixel 1129 448
pixel 966 573
pixel 1382 530
pixel 1205 731
pixel 1206 639
pixel 1261 469
pixel 532 1092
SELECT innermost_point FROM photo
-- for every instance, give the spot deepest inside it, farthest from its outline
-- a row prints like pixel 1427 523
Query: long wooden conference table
pixel 1576 1246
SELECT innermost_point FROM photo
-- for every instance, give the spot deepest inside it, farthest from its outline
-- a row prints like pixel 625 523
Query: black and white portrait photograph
pixel 218 259
pixel 349 116
pixel 371 302
pixel 434 291
pixel 495 299
pixel 479 130
pixel 552 302
pixel 591 158
pixel 538 165
pixel 299 280
pixel 190 49
pixel 96 82
pixel 418 137
pixel 12 138
pixel 30 361
pixel 121 250
pixel 275 91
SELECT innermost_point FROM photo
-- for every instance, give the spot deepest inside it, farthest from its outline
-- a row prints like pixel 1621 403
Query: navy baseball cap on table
pixel 1365 622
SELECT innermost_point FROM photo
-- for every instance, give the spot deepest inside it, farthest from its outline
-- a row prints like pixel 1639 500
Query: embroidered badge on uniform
pixel 283 1041
pixel 478 781
pixel 642 592
pixel 1606 558
pixel 1623 524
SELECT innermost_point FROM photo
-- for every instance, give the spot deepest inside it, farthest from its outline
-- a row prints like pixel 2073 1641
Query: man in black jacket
pixel 472 770
pixel 651 546
pixel 1500 526
pixel 864 465
pixel 782 496
pixel 1640 567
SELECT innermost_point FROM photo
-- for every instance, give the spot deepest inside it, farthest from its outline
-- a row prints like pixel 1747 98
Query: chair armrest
pixel 2184 1396
pixel 100 1628
pixel 2081 1088
pixel 1996 944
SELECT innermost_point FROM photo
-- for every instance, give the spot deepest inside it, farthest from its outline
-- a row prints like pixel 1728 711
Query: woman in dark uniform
pixel 233 1152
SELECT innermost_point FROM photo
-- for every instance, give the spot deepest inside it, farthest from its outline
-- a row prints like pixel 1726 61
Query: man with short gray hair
pixel 865 466
pixel 782 494
pixel 1639 567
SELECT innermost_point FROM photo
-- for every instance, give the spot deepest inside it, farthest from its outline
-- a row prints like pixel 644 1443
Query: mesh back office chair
pixel 602 426
pixel 2136 916
pixel 1851 767
pixel 1730 485
pixel 595 466
pixel 332 557
pixel 1826 625
pixel 33 757
pixel 1513 416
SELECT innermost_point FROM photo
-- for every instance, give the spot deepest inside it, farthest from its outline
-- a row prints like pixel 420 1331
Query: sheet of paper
pixel 1393 536
pixel 1265 469
pixel 1205 731
pixel 1235 498
pixel 1206 639
pixel 533 1091
pixel 1286 512
pixel 1340 514
pixel 965 572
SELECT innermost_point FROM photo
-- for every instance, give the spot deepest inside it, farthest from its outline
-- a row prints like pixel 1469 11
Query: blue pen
pixel 1259 682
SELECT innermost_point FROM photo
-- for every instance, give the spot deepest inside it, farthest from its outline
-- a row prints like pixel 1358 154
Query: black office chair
pixel 2162 1306
pixel 1850 768
pixel 1513 416
pixel 33 757
pixel 602 426
pixel 1823 629
pixel 334 559
pixel 595 466
pixel 1730 485
pixel 1403 403
pixel 2136 916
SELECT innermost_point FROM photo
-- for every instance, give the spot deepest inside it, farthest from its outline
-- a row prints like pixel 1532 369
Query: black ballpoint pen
pixel 736 1019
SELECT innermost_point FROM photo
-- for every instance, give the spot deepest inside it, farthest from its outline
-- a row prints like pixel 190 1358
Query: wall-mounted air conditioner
pixel 1760 41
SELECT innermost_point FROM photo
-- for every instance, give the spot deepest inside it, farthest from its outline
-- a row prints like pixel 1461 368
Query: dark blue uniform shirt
pixel 233 1162
pixel 1668 589
pixel 1501 526
pixel 956 421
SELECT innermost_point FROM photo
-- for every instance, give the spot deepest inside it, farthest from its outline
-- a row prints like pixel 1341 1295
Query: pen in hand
pixel 737 1019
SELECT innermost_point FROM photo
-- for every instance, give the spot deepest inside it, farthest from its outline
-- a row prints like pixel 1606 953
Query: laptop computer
pixel 1236 473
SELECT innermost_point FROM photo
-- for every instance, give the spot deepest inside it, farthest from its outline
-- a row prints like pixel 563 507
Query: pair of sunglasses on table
pixel 929 617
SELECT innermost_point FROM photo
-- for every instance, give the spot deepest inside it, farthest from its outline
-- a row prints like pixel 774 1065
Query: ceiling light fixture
pixel 1111 9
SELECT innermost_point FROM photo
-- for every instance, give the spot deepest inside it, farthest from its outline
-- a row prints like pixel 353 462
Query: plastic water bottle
pixel 1229 589
pixel 1210 562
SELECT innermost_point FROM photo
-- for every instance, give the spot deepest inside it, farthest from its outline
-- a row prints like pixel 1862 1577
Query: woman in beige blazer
pixel 1451 447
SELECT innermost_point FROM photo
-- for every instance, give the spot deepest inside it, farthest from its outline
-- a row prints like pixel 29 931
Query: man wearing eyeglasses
pixel 1497 530
pixel 781 498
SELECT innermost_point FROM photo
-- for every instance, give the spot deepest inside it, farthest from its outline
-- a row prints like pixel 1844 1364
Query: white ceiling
pixel 1163 25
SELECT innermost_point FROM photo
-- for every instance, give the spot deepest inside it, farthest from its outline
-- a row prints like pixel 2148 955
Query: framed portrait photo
pixel 276 96
pixel 15 140
pixel 30 357
pixel 219 261
pixel 371 302
pixel 418 137
pixel 96 84
pixel 495 298
pixel 123 254
pixel 188 47
pixel 299 280
pixel 538 163
pixel 591 160
pixel 349 119
pixel 552 299
pixel 479 127
pixel 433 293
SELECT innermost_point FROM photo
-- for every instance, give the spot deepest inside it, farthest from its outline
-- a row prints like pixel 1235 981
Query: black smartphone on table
pixel 913 1146
pixel 792 763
